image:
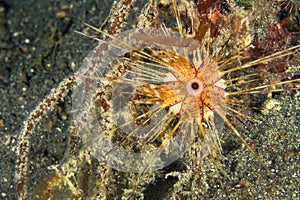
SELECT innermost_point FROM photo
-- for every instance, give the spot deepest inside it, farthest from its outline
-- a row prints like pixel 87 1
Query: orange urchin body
pixel 191 91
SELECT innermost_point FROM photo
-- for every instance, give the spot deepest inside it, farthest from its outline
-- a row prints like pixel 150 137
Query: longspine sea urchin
pixel 156 79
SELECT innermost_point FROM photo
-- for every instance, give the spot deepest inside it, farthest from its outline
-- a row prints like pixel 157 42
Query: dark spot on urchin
pixel 195 86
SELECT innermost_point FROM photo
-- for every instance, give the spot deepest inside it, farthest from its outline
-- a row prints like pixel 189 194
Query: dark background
pixel 38 48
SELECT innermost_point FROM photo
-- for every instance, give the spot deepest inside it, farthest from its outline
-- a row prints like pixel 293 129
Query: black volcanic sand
pixel 38 48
